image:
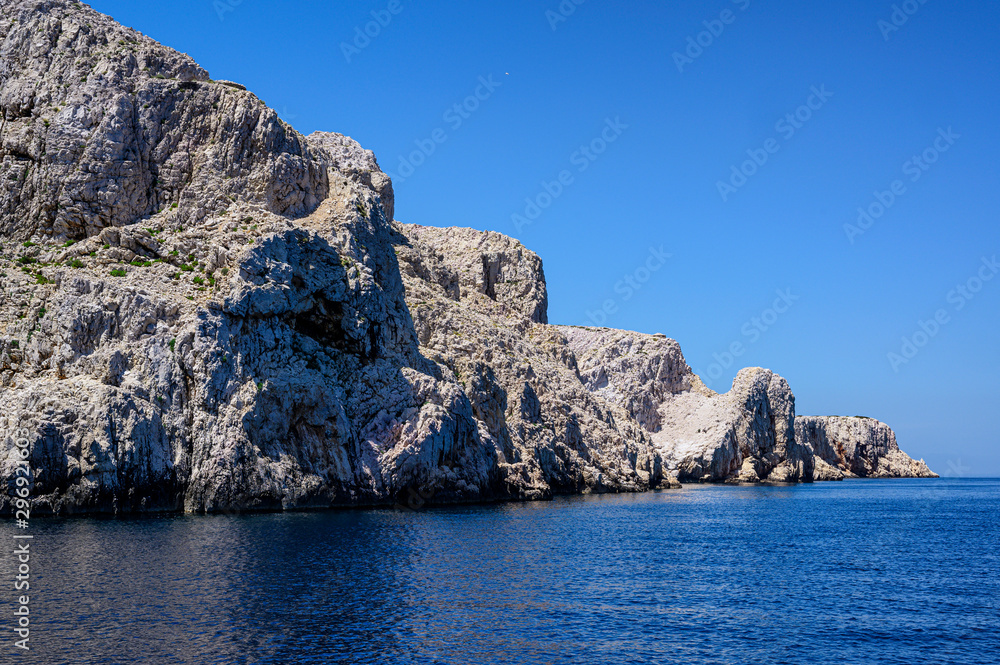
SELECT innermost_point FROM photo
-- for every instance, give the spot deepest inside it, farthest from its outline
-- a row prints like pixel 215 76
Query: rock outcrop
pixel 478 302
pixel 203 310
pixel 857 447
pixel 749 434
pixel 171 338
pixel 491 264
pixel 745 435
pixel 103 126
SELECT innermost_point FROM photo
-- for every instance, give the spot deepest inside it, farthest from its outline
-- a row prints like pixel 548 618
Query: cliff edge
pixel 203 310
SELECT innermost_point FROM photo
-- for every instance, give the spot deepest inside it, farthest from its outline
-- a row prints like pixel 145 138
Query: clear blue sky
pixel 656 184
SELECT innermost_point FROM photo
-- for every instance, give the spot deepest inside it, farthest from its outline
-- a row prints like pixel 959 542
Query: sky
pixel 807 187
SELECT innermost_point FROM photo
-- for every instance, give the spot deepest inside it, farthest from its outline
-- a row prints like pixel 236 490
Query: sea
pixel 859 571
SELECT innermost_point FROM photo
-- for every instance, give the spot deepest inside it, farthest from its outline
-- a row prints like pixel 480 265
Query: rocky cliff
pixel 202 310
pixel 749 434
pixel 478 302
pixel 102 126
pixel 745 435
pixel 857 447
pixel 171 338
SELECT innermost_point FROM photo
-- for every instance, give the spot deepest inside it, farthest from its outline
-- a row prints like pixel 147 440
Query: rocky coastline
pixel 203 310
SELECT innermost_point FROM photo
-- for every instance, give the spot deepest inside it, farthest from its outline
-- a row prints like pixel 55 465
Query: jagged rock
pixel 290 379
pixel 216 354
pixel 749 434
pixel 207 312
pixel 478 302
pixel 203 310
pixel 637 371
pixel 745 435
pixel 343 154
pixel 462 261
pixel 858 447
pixel 102 126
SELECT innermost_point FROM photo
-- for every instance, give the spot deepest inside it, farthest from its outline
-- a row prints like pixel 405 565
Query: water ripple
pixel 854 572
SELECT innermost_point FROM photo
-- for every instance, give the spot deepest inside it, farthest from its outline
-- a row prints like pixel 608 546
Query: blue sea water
pixel 892 571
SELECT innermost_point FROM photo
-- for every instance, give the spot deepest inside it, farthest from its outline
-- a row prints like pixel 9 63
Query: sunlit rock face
pixel 204 310
pixel 858 447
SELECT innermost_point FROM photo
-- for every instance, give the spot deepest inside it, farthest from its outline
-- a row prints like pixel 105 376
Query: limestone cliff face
pixel 858 447
pixel 749 434
pixel 464 261
pixel 169 337
pixel 203 310
pixel 744 435
pixel 478 302
pixel 248 362
pixel 102 126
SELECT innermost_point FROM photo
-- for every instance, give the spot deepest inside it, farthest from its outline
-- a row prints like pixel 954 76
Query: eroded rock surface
pixel 249 362
pixel 466 261
pixel 102 126
pixel 858 447
pixel 744 435
pixel 749 434
pixel 478 302
pixel 203 310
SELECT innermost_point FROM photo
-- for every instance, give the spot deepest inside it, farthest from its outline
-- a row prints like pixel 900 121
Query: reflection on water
pixel 889 572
